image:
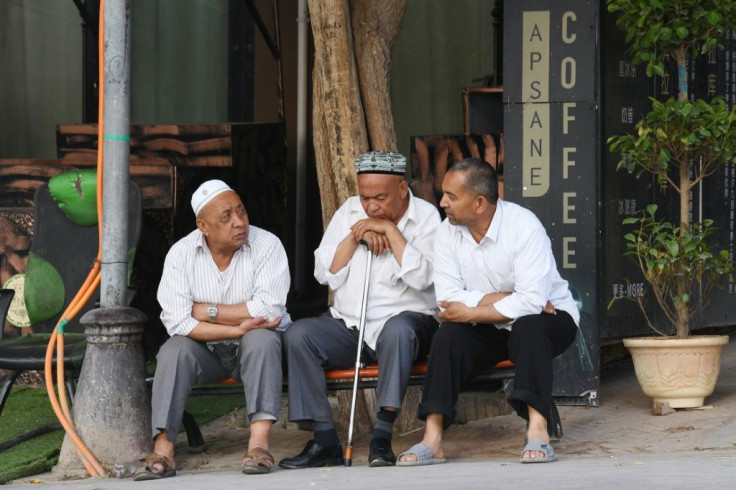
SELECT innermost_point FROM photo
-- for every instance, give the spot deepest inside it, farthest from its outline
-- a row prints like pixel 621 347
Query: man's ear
pixel 202 226
pixel 403 189
pixel 480 203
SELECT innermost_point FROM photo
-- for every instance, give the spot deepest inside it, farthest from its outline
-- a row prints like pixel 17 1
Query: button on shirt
pixel 514 255
pixel 258 276
pixel 393 288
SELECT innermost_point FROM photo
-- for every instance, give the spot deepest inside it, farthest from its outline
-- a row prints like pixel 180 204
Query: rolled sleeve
pixel 533 263
pixel 272 282
pixel 417 261
pixel 336 231
pixel 176 302
pixel 448 283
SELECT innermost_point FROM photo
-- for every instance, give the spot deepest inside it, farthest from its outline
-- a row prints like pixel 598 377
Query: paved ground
pixel 617 445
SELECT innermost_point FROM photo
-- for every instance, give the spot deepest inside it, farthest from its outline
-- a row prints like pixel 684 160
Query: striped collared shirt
pixel 258 275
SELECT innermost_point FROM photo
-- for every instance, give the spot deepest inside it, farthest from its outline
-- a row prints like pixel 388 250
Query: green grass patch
pixel 28 408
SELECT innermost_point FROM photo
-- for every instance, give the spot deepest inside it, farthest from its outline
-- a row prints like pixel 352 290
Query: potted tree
pixel 680 142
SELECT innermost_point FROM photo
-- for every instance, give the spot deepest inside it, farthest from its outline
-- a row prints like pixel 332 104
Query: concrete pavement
pixel 617 445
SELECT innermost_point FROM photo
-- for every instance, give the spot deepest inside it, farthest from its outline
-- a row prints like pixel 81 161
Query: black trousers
pixel 460 351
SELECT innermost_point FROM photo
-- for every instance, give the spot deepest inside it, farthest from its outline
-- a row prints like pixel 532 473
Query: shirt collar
pixel 201 243
pixel 495 228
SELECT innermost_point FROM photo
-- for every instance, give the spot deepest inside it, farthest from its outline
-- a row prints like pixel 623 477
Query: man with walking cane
pixel 398 229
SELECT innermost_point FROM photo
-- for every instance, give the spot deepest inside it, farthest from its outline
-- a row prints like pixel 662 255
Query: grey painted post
pixel 117 152
pixel 111 409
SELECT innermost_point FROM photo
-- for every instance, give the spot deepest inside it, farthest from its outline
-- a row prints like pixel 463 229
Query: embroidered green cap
pixel 380 162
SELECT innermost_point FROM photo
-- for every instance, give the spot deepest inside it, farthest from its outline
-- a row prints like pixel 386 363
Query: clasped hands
pixel 232 316
pixel 374 232
pixel 455 311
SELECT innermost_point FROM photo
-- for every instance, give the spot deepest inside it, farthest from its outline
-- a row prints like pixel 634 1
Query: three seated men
pixel 489 264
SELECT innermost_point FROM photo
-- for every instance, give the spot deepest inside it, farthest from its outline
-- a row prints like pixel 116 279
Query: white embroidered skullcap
pixel 206 192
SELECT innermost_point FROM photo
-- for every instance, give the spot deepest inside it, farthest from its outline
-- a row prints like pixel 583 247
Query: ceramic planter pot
pixel 678 372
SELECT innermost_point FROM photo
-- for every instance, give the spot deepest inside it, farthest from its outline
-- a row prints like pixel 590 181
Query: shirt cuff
pixel 411 260
pixel 505 307
pixel 257 308
pixel 184 328
pixel 473 298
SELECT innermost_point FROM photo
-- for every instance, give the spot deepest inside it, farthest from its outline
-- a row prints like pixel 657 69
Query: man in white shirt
pixel 398 229
pixel 223 295
pixel 494 271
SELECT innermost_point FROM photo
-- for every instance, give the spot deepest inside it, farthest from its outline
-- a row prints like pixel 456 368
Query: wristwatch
pixel 212 312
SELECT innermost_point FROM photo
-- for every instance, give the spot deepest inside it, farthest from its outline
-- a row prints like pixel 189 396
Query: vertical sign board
pixel 714 74
pixel 625 90
pixel 551 155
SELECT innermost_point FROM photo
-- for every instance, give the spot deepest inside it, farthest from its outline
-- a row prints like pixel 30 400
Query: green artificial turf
pixel 28 408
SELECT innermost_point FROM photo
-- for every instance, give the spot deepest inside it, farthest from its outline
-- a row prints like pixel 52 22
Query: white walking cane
pixel 361 331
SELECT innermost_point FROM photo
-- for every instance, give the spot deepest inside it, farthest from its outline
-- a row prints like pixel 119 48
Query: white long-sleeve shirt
pixel 393 288
pixel 258 276
pixel 515 255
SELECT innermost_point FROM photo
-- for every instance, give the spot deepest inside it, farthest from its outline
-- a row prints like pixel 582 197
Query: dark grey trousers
pixel 183 363
pixel 313 344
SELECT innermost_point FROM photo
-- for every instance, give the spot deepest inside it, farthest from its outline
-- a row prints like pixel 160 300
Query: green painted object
pixel 44 291
pixel 76 195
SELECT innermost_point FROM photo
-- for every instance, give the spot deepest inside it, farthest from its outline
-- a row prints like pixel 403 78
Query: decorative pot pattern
pixel 679 372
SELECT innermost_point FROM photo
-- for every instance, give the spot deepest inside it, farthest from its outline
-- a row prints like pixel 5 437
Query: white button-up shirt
pixel 514 255
pixel 258 276
pixel 393 288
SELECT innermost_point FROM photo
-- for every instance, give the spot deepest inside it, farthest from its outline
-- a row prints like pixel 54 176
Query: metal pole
pixel 116 155
pixel 111 409
pixel 301 146
pixel 361 333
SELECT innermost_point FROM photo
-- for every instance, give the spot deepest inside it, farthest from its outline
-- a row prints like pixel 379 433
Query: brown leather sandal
pixel 151 473
pixel 257 461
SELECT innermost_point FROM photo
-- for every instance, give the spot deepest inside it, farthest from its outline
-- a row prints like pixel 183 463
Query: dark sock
pixel 384 428
pixel 326 438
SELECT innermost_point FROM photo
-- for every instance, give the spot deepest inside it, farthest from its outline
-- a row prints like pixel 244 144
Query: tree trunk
pixel 338 97
pixel 327 185
pixel 375 28
pixel 682 309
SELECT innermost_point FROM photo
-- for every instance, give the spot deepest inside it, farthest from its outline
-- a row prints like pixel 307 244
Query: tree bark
pixel 376 26
pixel 327 186
pixel 338 97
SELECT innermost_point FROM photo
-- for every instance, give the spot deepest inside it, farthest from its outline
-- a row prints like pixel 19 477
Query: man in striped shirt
pixel 223 295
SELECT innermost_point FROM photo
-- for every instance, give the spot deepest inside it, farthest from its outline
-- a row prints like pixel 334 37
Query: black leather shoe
pixel 381 453
pixel 313 456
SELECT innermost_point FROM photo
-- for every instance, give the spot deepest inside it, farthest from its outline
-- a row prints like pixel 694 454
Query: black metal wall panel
pixel 551 154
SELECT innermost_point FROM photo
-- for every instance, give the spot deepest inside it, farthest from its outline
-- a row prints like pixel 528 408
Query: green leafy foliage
pixel 680 142
pixel 675 133
pixel 657 29
pixel 666 254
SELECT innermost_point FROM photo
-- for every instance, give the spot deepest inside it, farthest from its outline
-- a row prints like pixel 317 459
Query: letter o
pixel 567 72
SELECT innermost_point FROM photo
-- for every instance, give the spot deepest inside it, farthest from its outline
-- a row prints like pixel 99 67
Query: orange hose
pixel 91 283
pixel 88 460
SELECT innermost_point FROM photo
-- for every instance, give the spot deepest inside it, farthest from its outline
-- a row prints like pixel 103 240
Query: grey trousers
pixel 183 363
pixel 312 344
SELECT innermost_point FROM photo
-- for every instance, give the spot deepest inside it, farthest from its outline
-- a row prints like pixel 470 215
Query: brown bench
pixel 341 379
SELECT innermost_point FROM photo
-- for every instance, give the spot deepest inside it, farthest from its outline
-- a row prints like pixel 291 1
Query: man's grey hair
pixel 480 178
